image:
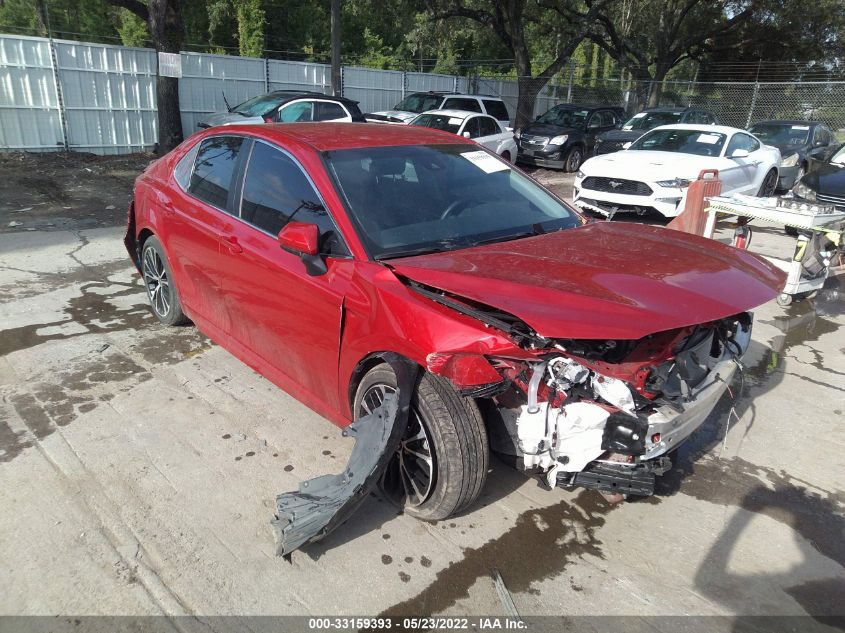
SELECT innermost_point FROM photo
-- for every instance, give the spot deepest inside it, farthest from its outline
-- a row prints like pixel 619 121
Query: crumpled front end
pixel 605 414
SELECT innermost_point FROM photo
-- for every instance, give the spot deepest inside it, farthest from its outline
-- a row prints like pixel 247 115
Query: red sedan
pixel 585 353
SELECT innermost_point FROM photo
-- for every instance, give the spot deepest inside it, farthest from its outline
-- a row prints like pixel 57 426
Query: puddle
pixel 539 546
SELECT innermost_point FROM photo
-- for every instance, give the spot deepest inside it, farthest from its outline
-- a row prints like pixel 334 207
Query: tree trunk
pixel 168 34
pixel 40 18
pixel 656 90
pixel 529 88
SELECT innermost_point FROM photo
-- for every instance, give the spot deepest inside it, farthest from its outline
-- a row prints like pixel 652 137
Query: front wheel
pixel 441 464
pixel 770 183
pixel 573 160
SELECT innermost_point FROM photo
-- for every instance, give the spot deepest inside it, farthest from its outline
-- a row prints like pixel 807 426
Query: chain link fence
pixel 738 104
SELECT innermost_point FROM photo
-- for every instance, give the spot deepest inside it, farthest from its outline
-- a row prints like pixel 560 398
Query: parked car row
pixel 640 164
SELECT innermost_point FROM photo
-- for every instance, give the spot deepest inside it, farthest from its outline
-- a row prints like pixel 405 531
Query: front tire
pixel 574 158
pixel 161 287
pixel 442 461
pixel 769 184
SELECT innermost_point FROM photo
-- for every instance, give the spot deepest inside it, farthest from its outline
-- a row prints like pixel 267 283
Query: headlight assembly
pixel 803 191
pixel 678 183
pixel 559 140
pixel 789 161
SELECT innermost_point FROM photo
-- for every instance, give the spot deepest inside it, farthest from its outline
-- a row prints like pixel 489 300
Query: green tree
pixel 525 28
pixel 250 28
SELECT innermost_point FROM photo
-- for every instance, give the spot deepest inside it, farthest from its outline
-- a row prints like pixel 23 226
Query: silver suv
pixel 419 102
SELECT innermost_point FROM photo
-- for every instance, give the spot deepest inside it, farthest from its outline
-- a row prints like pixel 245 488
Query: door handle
pixel 232 244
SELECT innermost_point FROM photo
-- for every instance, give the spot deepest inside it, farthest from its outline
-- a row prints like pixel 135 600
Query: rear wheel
pixel 161 289
pixel 574 158
pixel 441 463
pixel 770 183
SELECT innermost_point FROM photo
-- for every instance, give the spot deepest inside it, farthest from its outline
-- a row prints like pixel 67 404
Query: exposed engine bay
pixel 605 414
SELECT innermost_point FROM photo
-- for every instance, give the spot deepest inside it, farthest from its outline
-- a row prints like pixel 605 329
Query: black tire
pixel 769 184
pixel 160 285
pixel 456 437
pixel 574 158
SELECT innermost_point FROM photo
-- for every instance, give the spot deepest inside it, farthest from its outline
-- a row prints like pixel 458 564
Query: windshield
pixel 839 157
pixel 695 142
pixel 258 106
pixel 649 120
pixel 419 102
pixel 439 122
pixel 565 116
pixel 781 133
pixel 418 199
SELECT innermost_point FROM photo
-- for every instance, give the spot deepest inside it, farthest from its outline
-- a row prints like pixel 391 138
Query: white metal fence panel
pixel 424 82
pixel 205 79
pixel 373 89
pixel 109 96
pixel 30 118
pixel 285 75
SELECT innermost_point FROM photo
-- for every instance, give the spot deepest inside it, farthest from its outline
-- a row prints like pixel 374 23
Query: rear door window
pixel 184 168
pixel 327 111
pixel 472 127
pixel 216 165
pixel 277 191
pixel 496 109
pixel 461 103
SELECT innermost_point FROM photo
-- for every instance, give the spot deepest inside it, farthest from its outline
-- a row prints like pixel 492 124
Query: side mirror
pixel 465 134
pixel 740 153
pixel 303 239
pixel 819 143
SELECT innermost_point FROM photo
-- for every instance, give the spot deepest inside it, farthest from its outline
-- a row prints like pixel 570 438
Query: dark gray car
pixel 648 119
pixel 564 136
pixel 799 142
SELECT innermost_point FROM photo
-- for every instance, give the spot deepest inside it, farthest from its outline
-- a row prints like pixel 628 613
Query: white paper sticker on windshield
pixel 800 127
pixel 639 116
pixel 485 162
pixel 454 121
pixel 710 139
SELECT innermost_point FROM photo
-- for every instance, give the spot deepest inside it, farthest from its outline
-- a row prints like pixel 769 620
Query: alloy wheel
pixel 770 183
pixel 157 282
pixel 410 476
pixel 574 161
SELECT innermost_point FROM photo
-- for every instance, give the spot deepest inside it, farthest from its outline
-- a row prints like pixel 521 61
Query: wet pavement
pixel 139 465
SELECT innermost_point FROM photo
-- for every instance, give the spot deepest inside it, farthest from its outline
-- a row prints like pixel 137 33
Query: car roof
pixel 577 106
pixel 677 109
pixel 327 136
pixel 463 114
pixel 787 122
pixel 703 127
pixel 436 93
pixel 289 95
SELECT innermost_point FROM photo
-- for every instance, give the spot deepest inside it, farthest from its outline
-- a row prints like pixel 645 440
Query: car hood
pixel 399 115
pixel 228 118
pixel 603 280
pixel 786 149
pixel 547 129
pixel 622 135
pixel 827 179
pixel 645 165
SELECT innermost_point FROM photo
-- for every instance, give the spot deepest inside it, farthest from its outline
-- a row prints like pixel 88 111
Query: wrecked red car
pixel 585 353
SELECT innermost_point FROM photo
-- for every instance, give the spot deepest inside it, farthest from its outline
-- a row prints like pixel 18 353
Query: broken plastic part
pixel 323 503
pixel 534 386
pixel 464 370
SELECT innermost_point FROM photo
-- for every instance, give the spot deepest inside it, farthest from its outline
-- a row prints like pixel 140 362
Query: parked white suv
pixel 419 102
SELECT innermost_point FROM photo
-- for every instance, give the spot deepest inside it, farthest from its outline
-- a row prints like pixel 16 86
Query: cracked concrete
pixel 139 464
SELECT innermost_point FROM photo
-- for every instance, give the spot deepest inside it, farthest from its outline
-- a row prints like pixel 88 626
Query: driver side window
pixel 297 112
pixel 742 141
pixel 277 191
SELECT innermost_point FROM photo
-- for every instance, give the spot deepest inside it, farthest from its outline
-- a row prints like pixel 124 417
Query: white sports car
pixel 481 128
pixel 654 172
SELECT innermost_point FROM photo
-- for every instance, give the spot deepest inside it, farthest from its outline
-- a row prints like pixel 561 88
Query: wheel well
pixel 361 369
pixel 143 236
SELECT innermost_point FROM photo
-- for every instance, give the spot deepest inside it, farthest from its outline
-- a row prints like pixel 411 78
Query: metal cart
pixel 819 240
